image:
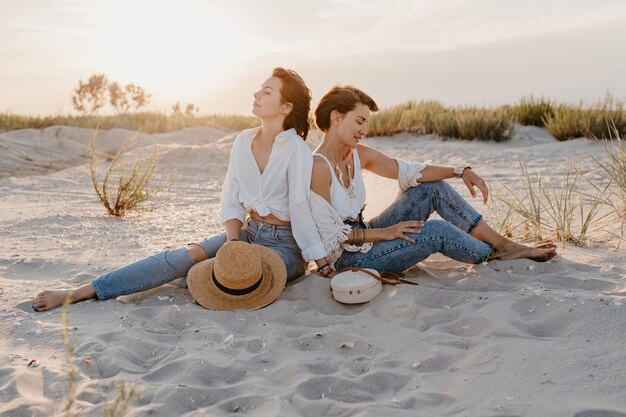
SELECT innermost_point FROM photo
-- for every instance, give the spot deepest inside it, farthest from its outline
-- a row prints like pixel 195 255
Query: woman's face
pixel 352 126
pixel 267 101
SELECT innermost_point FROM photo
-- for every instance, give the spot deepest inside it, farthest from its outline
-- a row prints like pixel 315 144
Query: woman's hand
pixel 399 230
pixel 471 180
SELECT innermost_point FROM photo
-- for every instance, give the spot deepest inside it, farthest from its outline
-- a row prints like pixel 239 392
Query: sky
pixel 216 53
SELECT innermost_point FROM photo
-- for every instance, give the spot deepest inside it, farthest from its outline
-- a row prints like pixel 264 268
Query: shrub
pixel 124 187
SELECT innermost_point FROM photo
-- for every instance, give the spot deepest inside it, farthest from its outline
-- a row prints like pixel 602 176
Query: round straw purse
pixel 358 285
pixel 354 287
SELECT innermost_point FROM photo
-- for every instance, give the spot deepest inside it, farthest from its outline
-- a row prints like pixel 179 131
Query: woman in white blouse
pixel 264 200
pixel 401 235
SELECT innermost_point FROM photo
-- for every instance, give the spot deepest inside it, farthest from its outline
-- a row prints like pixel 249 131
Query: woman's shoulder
pixel 247 133
pixel 290 139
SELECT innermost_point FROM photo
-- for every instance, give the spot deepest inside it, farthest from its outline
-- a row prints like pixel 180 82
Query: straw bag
pixel 358 285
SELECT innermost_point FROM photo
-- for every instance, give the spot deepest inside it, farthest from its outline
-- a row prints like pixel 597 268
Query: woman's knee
pixel 196 252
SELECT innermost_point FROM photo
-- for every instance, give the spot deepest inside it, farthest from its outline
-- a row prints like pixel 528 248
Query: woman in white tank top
pixel 401 235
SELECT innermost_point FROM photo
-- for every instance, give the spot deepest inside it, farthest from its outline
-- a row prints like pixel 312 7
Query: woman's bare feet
pixel 540 252
pixel 50 299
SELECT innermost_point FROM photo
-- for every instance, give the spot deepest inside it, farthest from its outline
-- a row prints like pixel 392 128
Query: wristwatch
pixel 459 170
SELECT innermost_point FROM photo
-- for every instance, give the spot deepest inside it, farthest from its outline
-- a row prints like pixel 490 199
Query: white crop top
pixel 348 202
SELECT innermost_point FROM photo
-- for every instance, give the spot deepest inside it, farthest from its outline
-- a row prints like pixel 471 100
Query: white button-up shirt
pixel 283 188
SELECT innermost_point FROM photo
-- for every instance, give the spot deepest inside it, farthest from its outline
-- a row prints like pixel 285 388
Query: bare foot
pixel 539 253
pixel 544 244
pixel 49 299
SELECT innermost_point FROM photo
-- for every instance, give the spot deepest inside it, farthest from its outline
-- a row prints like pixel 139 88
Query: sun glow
pixel 173 51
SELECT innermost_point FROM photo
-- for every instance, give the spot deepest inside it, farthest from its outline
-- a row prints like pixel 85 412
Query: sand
pixel 504 338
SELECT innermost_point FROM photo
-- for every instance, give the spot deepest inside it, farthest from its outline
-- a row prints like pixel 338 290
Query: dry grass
pixel 600 120
pixel 70 400
pixel 425 117
pixel 125 186
pixel 124 393
pixel 149 122
pixel 560 210
pixel 531 111
pixel 614 165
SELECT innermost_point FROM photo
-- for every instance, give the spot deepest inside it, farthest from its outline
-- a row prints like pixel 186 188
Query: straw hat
pixel 242 276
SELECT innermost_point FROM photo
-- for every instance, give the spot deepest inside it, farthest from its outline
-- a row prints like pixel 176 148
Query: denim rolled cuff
pixel 474 223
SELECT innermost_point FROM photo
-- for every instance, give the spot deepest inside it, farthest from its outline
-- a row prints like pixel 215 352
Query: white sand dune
pixel 505 338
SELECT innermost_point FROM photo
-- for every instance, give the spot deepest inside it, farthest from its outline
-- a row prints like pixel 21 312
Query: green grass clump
pixel 444 125
pixel 600 120
pixel 484 124
pixel 427 117
pixel 532 111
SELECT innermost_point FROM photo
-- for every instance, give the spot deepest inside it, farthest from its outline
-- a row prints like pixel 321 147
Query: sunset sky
pixel 216 53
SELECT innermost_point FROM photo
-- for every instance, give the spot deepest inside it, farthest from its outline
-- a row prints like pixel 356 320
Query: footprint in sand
pixel 535 317
pixel 469 326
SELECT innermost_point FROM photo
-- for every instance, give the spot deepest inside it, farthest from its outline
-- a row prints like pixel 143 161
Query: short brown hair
pixel 295 91
pixel 343 99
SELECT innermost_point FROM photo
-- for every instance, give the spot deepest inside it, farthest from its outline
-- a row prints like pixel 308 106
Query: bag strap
pixel 385 277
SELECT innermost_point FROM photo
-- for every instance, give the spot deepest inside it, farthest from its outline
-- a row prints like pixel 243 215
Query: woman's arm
pixel 232 212
pixel 377 162
pixel 233 229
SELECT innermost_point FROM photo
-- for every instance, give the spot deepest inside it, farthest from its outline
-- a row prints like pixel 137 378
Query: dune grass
pixel 600 120
pixel 148 122
pixel 563 121
pixel 531 111
pixel 425 117
pixel 557 208
pixel 614 165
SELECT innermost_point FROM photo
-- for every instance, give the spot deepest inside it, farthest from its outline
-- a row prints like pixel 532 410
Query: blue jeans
pixel 166 266
pixel 449 236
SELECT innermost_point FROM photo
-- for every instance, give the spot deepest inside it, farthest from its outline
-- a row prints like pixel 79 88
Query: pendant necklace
pixel 340 172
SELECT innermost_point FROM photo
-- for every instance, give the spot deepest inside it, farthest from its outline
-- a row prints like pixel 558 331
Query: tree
pixel 90 96
pixel 137 95
pixel 190 109
pixel 118 98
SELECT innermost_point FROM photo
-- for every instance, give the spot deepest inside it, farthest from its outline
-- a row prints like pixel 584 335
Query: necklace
pixel 340 172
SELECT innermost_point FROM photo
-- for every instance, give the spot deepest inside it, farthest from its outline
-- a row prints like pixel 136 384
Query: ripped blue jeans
pixel 450 236
pixel 166 266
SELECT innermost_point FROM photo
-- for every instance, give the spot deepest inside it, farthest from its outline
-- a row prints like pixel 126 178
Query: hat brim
pixel 207 294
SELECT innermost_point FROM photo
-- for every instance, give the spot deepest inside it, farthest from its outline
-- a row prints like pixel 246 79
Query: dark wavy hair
pixel 342 98
pixel 295 91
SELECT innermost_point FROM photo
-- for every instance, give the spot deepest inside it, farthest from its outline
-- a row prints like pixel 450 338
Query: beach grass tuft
pixel 556 208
